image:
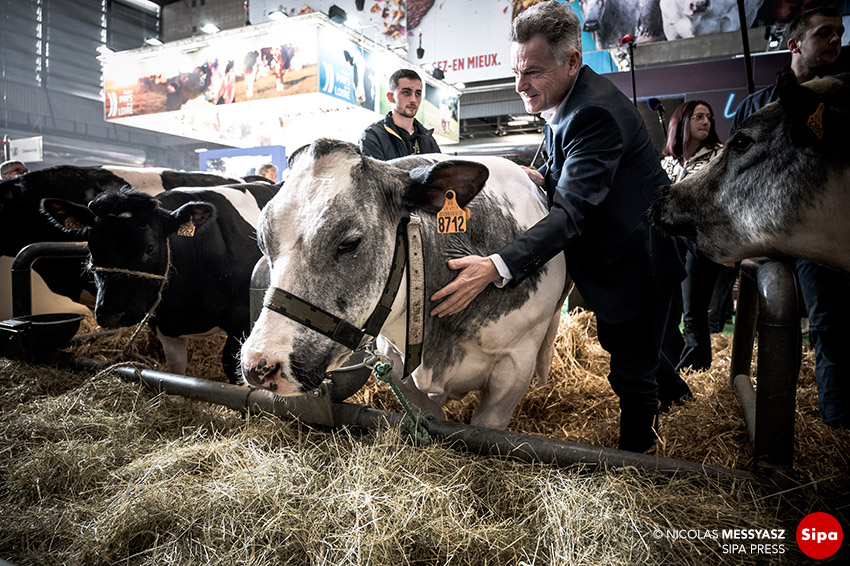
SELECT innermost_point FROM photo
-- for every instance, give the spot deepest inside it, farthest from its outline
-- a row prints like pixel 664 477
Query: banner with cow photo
pixel 167 79
pixel 383 21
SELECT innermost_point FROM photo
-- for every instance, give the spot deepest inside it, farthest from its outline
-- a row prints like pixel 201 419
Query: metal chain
pixel 415 422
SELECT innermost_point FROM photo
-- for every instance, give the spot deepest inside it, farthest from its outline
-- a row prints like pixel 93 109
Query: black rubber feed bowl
pixel 50 331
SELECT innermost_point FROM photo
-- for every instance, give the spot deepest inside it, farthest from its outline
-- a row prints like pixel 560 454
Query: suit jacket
pixel 601 177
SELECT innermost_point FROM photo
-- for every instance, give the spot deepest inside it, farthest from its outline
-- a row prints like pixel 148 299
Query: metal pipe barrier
pixel 22 269
pixel 768 306
pixel 484 441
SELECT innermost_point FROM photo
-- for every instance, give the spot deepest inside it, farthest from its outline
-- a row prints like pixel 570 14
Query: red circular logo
pixel 819 535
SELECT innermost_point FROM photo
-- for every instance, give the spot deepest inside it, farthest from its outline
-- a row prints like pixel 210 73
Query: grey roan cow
pixel 329 240
pixel 201 240
pixel 781 185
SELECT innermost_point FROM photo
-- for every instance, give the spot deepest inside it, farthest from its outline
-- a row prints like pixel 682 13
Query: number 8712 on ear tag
pixel 452 218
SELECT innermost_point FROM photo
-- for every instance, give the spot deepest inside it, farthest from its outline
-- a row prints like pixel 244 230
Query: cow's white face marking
pixel 301 230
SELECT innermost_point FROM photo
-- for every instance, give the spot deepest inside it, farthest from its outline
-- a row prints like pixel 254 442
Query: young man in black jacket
pixel 400 134
pixel 814 40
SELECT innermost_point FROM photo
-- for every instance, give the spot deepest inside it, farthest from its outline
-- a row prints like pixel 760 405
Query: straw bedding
pixel 98 471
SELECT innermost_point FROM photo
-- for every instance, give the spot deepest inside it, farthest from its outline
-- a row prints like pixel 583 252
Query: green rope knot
pixel 415 423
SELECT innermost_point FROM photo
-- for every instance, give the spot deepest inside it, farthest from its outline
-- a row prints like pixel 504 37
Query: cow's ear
pixel 191 215
pixel 810 114
pixel 72 218
pixel 9 191
pixel 427 191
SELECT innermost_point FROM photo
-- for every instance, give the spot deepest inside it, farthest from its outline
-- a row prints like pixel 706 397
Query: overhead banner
pixel 382 21
pixel 211 74
pixel 281 83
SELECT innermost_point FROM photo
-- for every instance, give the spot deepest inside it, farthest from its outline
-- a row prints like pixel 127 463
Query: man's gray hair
pixel 557 23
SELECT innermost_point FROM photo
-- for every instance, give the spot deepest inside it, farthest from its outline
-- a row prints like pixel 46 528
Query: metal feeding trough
pixel 37 336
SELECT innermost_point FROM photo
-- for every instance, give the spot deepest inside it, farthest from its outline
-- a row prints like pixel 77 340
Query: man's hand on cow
pixel 476 273
pixel 534 175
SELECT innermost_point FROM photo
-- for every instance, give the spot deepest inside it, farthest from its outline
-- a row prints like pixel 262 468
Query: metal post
pixel 778 363
pixel 767 301
pixel 746 316
pixel 745 40
pixel 632 69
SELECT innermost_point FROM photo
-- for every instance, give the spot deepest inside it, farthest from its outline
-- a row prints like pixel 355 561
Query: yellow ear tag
pixel 815 122
pixel 72 223
pixel 452 218
pixel 187 229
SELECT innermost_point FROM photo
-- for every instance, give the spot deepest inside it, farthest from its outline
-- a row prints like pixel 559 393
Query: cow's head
pixel 127 235
pixel 592 11
pixel 774 183
pixel 329 239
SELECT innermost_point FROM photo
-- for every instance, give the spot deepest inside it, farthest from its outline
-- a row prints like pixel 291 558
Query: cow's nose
pixel 591 25
pixel 262 374
pixel 108 319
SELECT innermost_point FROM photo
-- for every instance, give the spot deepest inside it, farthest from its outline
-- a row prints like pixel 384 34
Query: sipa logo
pixel 819 535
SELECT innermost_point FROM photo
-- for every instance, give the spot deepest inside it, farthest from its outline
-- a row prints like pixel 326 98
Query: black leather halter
pixel 341 331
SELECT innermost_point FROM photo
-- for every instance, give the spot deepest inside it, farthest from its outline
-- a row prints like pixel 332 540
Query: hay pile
pixel 577 403
pixel 98 471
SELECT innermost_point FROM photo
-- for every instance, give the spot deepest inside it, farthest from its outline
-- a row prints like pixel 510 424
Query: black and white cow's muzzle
pixel 121 304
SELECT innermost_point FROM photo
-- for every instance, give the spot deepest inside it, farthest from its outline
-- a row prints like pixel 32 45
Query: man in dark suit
pixel 601 176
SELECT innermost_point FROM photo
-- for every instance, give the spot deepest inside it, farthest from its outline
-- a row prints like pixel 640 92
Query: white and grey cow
pixel 329 239
pixel 781 186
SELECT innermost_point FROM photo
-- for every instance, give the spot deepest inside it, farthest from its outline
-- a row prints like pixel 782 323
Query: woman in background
pixel 692 142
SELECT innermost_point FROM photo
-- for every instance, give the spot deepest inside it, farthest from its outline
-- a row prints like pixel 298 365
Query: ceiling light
pixel 210 28
pixel 200 150
pixel 518 123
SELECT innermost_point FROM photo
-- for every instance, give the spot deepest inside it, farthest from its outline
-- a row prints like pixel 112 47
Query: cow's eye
pixel 149 250
pixel 348 246
pixel 741 142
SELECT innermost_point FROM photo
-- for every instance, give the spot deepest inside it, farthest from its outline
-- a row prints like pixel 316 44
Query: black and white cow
pixel 781 185
pixel 194 247
pixel 22 224
pixel 329 239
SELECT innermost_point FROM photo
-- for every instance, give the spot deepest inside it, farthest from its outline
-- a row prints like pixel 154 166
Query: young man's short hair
pixel 800 25
pixel 403 74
